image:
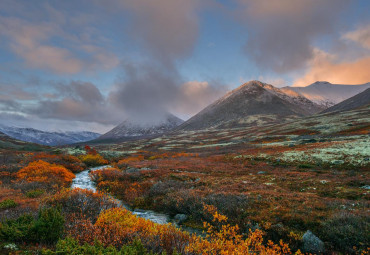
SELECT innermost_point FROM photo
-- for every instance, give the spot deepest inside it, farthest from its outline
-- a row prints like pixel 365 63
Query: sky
pixel 90 64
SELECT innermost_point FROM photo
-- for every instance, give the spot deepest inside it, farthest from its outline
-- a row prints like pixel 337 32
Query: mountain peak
pixel 132 128
pixel 320 83
pixel 253 98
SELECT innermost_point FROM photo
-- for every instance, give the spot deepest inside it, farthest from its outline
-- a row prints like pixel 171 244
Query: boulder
pixel 180 218
pixel 312 243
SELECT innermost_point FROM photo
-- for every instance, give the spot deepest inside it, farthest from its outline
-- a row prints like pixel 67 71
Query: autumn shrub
pixel 118 227
pixel 223 238
pixel 7 203
pixel 72 163
pixel 80 202
pixel 184 201
pixel 92 160
pixel 44 172
pixel 231 205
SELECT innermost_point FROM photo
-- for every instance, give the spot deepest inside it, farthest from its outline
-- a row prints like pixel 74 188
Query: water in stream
pixel 83 181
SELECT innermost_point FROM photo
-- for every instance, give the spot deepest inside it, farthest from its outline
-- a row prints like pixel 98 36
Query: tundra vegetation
pixel 277 189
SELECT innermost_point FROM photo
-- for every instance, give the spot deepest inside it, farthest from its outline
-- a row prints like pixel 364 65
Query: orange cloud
pixel 323 67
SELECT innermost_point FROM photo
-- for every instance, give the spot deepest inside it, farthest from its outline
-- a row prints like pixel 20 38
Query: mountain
pixel 47 138
pixel 254 103
pixel 351 103
pixel 8 144
pixel 326 94
pixel 131 129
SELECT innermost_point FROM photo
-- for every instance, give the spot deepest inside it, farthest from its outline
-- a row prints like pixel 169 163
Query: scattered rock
pixel 366 187
pixel 312 243
pixel 338 162
pixel 180 218
pixel 132 170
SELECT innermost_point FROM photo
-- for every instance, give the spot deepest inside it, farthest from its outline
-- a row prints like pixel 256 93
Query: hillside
pixel 252 103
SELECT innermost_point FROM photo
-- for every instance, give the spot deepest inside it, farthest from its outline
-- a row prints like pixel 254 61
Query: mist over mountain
pixel 327 94
pixel 48 138
pixel 252 102
pixel 357 101
pixel 136 128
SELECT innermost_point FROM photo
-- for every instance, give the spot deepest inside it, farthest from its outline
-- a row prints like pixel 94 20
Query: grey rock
pixel 312 243
pixel 180 218
pixel 132 170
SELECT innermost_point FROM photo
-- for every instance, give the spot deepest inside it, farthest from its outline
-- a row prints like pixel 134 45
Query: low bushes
pixel 70 246
pixel 345 231
pixel 47 227
pixel 80 202
pixel 8 203
pixel 92 160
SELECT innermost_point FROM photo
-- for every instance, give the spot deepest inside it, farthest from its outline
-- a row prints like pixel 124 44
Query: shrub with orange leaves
pixel 118 226
pixel 44 172
pixel 93 160
pixel 70 162
pixel 222 238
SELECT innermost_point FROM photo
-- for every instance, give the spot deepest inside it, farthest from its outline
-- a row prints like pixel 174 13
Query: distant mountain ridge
pixel 130 129
pixel 48 138
pixel 253 98
pixel 357 101
pixel 327 94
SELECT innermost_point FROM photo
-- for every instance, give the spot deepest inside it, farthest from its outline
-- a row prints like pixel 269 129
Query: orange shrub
pixel 44 172
pixel 130 159
pixel 93 160
pixel 222 238
pixel 119 226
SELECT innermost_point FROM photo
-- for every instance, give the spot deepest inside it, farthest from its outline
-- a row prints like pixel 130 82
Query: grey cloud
pixel 78 101
pixel 281 33
pixel 166 29
pixel 193 96
pixel 146 92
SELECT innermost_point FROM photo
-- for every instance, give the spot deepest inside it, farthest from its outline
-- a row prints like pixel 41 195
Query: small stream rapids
pixel 83 181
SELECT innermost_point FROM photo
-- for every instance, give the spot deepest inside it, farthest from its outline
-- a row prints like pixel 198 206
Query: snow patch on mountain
pixel 327 94
pixel 47 138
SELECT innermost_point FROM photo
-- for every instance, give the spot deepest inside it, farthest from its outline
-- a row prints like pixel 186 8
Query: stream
pixel 83 181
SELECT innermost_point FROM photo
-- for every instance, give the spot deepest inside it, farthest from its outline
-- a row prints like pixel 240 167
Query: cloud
pixel 166 29
pixel 145 93
pixel 166 32
pixel 281 33
pixel 49 43
pixel 195 95
pixel 325 67
pixel 79 101
pixel 361 36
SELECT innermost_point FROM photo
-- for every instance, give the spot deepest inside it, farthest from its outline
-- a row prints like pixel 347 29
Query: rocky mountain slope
pixel 327 94
pixel 357 101
pixel 47 138
pixel 254 103
pixel 130 129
